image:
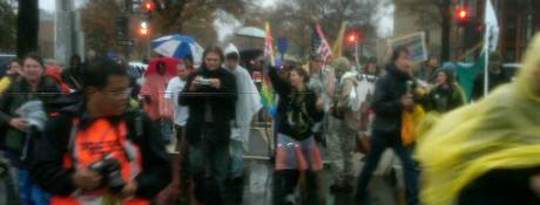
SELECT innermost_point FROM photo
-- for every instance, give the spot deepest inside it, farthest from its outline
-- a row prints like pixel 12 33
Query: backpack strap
pixel 71 142
pixel 135 122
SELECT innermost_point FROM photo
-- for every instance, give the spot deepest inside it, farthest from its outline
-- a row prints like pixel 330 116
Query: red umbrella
pixel 170 64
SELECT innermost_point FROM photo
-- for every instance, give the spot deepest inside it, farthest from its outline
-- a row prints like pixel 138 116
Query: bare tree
pixel 99 29
pixel 191 17
pixel 295 19
pixel 177 15
pixel 8 26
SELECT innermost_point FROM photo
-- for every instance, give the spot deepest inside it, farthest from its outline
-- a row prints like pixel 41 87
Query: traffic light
pixel 143 29
pixel 149 6
pixel 352 38
pixel 462 15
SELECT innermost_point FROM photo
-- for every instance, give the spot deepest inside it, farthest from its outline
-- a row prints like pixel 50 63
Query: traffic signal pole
pixel 356 58
pixel 446 26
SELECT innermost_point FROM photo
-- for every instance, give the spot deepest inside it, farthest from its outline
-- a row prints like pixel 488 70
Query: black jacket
pixel 49 150
pixel 305 110
pixel 445 99
pixel 221 101
pixel 387 99
pixel 495 79
pixel 501 187
pixel 19 93
pixel 73 77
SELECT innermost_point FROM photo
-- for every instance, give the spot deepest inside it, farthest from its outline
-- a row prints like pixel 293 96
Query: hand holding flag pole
pixel 269 99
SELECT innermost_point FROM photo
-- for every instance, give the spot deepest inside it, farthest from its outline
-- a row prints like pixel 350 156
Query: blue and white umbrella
pixel 178 46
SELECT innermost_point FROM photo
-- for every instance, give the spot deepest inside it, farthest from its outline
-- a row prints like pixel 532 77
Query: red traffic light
pixel 352 38
pixel 462 15
pixel 149 6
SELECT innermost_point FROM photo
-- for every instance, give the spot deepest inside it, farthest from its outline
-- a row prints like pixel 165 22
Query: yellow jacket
pixel 501 131
pixel 5 82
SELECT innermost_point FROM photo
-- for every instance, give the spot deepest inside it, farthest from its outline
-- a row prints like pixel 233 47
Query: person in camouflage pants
pixel 345 125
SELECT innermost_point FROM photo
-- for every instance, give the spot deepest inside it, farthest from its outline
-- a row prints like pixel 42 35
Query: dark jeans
pixel 208 164
pixel 29 192
pixel 8 185
pixel 166 126
pixel 379 143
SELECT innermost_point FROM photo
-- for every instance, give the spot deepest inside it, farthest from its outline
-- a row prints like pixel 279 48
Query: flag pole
pixel 491 36
pixel 486 64
pixel 486 47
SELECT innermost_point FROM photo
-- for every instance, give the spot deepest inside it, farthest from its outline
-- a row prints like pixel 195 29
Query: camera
pixel 205 82
pixel 109 168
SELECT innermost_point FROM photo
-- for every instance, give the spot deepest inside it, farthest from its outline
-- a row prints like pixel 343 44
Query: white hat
pixel 231 48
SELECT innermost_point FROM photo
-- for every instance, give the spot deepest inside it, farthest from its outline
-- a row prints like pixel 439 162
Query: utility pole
pixel 445 34
pixel 356 58
pixel 27 27
pixel 65 39
pixel 123 34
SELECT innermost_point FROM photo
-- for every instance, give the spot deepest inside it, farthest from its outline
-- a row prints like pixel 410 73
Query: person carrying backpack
pixel 348 121
pixel 96 151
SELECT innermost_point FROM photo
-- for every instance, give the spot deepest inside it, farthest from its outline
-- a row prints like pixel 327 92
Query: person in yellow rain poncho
pixel 488 152
pixel 14 70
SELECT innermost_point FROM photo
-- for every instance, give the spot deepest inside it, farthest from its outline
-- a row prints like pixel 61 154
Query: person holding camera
pixel 210 94
pixel 96 151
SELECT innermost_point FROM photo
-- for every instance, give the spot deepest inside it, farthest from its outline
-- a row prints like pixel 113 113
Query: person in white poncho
pixel 247 105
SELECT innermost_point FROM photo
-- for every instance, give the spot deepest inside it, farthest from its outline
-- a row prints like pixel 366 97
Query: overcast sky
pixel 47 4
pixel 385 25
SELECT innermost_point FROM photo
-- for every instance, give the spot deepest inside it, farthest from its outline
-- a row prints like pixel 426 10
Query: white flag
pixel 492 27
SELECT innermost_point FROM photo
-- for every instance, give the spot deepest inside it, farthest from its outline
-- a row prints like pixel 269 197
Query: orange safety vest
pixel 91 145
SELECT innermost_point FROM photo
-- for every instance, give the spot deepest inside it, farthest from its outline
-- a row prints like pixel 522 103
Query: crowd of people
pixel 88 135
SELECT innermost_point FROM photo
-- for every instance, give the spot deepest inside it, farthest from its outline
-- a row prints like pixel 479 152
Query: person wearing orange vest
pixel 96 151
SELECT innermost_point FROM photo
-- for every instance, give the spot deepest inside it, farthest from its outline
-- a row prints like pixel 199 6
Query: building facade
pixel 46 34
pixel 519 20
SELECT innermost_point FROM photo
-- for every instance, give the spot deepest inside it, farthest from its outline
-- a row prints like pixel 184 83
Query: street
pixel 288 102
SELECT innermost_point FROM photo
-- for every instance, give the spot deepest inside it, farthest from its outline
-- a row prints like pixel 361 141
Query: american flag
pixel 320 44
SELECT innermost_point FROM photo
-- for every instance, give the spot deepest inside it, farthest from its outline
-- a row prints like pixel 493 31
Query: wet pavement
pixel 258 186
